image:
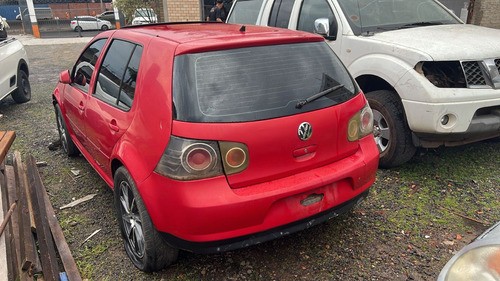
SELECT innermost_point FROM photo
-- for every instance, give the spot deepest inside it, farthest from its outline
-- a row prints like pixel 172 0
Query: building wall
pixel 186 10
pixel 486 13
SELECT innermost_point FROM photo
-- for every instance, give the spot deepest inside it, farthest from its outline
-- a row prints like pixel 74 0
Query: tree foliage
pixel 127 7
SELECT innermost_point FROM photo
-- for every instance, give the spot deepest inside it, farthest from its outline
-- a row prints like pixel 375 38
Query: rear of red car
pixel 266 140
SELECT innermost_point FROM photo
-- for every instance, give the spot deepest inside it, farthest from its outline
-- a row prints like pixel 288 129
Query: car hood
pixel 456 41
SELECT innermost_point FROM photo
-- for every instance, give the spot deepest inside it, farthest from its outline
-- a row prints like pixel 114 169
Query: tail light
pixel 361 124
pixel 234 156
pixel 188 159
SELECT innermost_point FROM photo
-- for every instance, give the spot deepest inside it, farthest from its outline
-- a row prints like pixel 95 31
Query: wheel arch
pixel 23 65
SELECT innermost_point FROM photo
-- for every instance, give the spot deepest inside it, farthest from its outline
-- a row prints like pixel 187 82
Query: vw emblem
pixel 305 131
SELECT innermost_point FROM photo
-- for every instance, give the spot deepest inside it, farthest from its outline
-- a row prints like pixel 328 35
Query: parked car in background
pixel 144 16
pixel 42 13
pixel 478 261
pixel 424 90
pixel 107 15
pixel 14 71
pixel 3 28
pixel 277 140
pixel 81 23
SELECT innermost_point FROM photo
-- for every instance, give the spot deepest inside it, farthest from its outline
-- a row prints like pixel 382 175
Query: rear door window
pixel 118 74
pixel 245 12
pixel 257 83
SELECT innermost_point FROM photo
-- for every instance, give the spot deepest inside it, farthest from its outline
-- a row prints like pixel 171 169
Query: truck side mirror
pixel 322 27
pixel 64 77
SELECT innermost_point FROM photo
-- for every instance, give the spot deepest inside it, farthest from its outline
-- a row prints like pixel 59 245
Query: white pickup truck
pixel 430 79
pixel 14 71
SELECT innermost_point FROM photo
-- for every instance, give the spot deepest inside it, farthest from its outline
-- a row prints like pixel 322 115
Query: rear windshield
pixel 258 83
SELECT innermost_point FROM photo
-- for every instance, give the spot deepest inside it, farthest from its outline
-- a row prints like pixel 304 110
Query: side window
pixel 280 13
pixel 312 10
pixel 118 73
pixel 84 67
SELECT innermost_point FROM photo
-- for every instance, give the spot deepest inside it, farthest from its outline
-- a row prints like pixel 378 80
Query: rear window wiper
pixel 314 97
pixel 420 23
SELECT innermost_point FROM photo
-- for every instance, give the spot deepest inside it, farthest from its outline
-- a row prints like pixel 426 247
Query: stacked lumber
pixel 32 232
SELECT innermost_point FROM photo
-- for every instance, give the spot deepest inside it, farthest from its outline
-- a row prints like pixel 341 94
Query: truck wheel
pixel 391 131
pixel 23 92
pixel 67 143
pixel 143 243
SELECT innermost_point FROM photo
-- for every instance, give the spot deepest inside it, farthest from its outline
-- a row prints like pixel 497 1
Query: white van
pixel 42 13
pixel 430 79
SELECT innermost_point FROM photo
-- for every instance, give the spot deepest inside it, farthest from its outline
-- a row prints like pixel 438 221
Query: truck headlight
pixel 443 74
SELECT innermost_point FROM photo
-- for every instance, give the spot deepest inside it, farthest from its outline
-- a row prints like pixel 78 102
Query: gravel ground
pixel 415 218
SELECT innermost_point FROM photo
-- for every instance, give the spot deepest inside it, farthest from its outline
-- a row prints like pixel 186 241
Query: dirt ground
pixel 415 218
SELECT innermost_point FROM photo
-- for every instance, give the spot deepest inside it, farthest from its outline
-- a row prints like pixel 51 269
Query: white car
pixel 14 71
pixel 81 23
pixel 144 16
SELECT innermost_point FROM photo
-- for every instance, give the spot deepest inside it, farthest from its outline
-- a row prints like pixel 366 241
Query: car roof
pixel 207 36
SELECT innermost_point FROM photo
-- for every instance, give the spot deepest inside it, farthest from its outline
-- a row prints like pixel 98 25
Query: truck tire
pixel 391 131
pixel 23 92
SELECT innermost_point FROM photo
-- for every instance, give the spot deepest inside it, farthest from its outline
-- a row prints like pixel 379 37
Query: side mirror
pixel 64 77
pixel 322 27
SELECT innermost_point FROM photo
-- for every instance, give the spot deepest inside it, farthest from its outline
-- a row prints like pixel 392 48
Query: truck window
pixel 245 12
pixel 312 10
pixel 280 13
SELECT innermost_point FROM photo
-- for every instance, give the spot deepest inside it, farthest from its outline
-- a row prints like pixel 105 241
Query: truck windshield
pixel 381 15
pixel 258 83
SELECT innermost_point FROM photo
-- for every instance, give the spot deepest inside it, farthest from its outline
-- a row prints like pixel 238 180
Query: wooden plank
pixel 28 248
pixel 7 218
pixel 23 179
pixel 6 140
pixel 5 265
pixel 62 247
pixel 13 247
pixel 45 241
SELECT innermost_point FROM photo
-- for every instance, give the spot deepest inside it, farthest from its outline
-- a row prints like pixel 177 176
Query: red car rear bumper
pixel 207 215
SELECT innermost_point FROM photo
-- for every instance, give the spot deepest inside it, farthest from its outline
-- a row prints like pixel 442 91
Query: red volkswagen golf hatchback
pixel 216 136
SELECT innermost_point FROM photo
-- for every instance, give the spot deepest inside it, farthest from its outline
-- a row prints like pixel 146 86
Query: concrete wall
pixel 186 10
pixel 486 13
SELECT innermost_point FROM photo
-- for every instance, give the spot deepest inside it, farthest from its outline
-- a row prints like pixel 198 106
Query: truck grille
pixel 473 73
pixel 482 74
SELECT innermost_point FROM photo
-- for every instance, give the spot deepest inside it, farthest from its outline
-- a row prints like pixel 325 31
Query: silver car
pixel 478 261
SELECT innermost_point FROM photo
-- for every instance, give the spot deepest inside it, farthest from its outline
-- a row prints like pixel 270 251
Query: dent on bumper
pixel 207 211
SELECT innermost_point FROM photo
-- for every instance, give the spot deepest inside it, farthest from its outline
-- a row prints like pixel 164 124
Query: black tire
pixel 391 131
pixel 143 243
pixel 67 143
pixel 23 92
pixel 104 27
pixel 3 34
pixel 78 29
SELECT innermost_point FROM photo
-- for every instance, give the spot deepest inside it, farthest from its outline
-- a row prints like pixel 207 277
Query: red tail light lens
pixel 198 157
pixel 187 159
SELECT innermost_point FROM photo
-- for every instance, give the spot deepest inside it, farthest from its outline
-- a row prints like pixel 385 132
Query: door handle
pixel 81 107
pixel 113 126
